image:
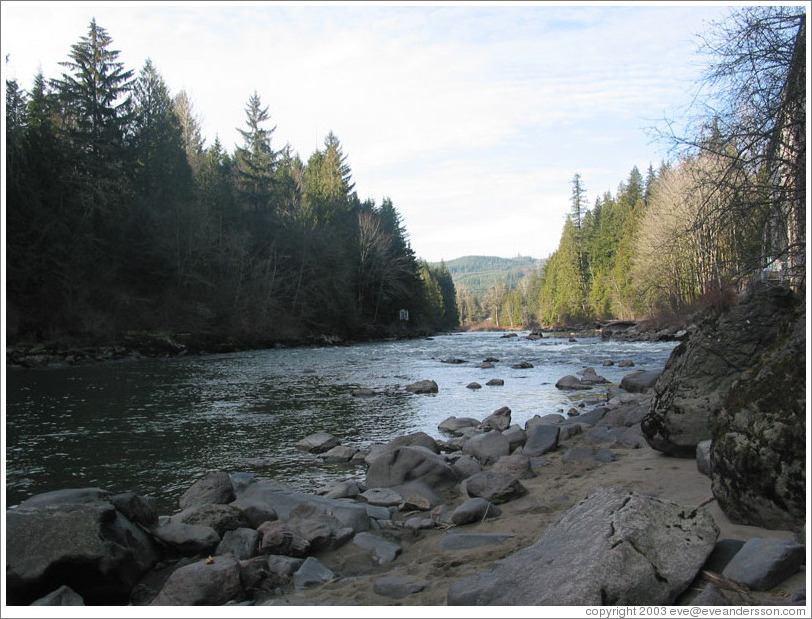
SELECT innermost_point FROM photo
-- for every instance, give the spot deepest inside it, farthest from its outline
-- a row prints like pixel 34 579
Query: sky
pixel 473 118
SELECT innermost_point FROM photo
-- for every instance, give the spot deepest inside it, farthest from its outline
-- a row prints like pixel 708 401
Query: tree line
pixel 729 208
pixel 120 218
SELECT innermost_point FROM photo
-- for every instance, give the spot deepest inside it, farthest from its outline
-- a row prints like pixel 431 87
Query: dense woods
pixel 728 208
pixel 120 219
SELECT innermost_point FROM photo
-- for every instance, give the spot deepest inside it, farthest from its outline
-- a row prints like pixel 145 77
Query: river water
pixel 153 426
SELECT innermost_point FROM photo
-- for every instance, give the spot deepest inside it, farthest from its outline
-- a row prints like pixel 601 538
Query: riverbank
pixel 558 485
pixel 414 551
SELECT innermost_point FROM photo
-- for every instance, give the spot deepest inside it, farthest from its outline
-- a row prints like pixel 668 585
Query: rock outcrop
pixel 615 547
pixel 758 451
pixel 693 386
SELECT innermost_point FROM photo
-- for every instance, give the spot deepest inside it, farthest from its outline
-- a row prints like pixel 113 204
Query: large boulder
pixel 487 447
pixel 211 582
pixel 758 453
pixel 700 371
pixel 215 487
pixel 615 547
pixel 410 463
pixel 86 545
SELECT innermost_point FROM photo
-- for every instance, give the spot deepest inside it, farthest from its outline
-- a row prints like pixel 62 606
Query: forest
pixel 121 220
pixel 690 234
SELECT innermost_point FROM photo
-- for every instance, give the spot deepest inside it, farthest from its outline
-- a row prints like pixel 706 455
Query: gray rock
pixel 703 459
pixel 515 465
pixel 254 574
pixel 339 454
pixel 615 547
pixel 710 596
pixel 592 417
pixel 343 490
pixel 63 596
pixel 476 509
pixel 701 370
pixel 487 447
pixel 605 455
pixel 385 497
pixel 67 496
pixel 465 466
pixel 240 481
pixel 758 456
pixel 242 543
pixel 211 582
pixel 214 488
pixel 254 510
pixel 398 587
pixel 312 574
pixel 473 386
pixel 516 436
pixel 466 541
pixel 578 453
pixel 422 386
pixel 318 442
pixel 568 430
pixel 455 425
pixel 495 382
pixel 187 539
pixel 540 440
pixel 282 568
pixel 318 525
pixel 761 564
pixel 498 420
pixel 382 550
pixel 221 518
pixel 416 523
pixel 90 547
pixel 495 487
pixel 137 509
pixel 601 434
pixel 640 381
pixel 410 463
pixel 551 419
pixel 522 365
pixel 570 382
pixel 278 538
pixel 590 377
pixel 723 552
pixel 349 514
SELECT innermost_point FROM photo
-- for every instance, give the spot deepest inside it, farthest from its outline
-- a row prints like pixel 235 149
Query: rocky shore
pixel 615 503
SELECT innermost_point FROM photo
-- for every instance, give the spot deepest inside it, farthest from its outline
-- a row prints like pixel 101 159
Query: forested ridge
pixel 693 232
pixel 121 220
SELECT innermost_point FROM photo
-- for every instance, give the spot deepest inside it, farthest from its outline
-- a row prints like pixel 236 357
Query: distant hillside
pixel 479 273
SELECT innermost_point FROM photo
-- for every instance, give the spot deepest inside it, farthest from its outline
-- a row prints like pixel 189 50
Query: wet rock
pixel 570 382
pixel 422 386
pixel 221 518
pixel 455 425
pixel 640 381
pixel 318 442
pixel 495 382
pixel 385 497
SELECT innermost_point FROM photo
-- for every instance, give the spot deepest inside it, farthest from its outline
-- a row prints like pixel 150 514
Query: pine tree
pixel 255 161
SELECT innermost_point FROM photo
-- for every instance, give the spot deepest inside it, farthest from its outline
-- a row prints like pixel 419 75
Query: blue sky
pixel 473 118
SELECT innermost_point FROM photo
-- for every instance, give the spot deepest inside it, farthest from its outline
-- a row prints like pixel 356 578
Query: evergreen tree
pixel 255 161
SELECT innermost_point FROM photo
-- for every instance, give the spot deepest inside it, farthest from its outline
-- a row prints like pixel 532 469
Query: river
pixel 153 426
